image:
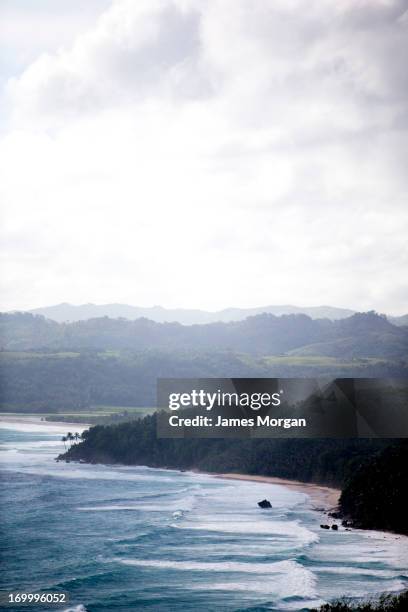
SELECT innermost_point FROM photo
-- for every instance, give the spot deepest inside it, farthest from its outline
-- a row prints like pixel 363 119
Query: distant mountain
pixel 361 335
pixel 68 313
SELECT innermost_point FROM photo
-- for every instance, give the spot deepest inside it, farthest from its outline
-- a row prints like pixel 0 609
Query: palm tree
pixel 77 436
pixel 64 439
pixel 70 437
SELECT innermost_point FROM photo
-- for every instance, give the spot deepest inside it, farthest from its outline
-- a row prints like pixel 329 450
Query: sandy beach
pixel 326 498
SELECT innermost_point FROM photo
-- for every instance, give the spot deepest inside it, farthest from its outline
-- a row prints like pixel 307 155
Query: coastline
pixel 323 498
pixel 326 498
pixel 37 420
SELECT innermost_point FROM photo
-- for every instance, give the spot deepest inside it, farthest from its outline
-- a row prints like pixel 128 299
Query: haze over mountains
pixel 48 366
pixel 361 335
pixel 66 312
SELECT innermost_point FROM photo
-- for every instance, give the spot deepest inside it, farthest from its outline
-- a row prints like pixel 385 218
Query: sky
pixel 204 153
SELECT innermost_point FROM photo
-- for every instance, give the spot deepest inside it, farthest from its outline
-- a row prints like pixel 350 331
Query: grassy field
pixel 273 360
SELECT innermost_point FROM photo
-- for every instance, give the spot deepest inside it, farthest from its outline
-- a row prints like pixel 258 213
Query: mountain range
pixel 66 312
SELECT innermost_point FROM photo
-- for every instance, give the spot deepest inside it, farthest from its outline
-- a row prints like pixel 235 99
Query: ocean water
pixel 134 538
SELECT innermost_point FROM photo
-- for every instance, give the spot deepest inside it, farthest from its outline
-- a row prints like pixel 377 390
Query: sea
pixel 136 538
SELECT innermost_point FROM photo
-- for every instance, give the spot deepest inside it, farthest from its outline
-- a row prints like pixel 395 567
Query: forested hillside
pixel 47 367
pixel 328 462
pixel 361 335
pixel 52 382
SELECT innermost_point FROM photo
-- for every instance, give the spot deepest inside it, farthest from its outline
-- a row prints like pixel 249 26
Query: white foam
pixel 362 550
pixel 107 508
pixel 357 571
pixel 294 578
pixel 176 507
pixel 248 525
pixel 278 567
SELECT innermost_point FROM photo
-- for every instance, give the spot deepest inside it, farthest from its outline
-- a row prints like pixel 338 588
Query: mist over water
pixel 126 538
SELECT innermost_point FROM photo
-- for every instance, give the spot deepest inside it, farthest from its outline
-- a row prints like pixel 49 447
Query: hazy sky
pixel 204 153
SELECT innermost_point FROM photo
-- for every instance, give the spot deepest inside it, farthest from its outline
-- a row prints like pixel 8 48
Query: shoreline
pixel 326 498
pixel 323 498
pixel 38 420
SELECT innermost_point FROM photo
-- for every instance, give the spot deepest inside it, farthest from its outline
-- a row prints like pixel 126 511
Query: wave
pixel 255 586
pixel 379 574
pixel 364 549
pixel 176 501
pixel 277 567
pixel 271 528
pixel 176 506
pixel 83 472
pixel 32 445
pixel 184 504
pixel 295 579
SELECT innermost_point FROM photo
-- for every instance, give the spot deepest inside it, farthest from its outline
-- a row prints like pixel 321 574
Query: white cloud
pixel 207 154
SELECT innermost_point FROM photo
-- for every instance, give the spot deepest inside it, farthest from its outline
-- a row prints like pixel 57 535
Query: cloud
pixel 210 154
pixel 136 51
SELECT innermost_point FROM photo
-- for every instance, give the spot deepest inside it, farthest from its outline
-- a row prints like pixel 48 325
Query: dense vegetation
pixel 52 382
pixel 386 603
pixel 361 335
pixel 373 495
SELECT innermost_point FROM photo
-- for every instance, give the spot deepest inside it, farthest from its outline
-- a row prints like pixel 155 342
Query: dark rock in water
pixel 335 527
pixel 265 504
pixel 325 526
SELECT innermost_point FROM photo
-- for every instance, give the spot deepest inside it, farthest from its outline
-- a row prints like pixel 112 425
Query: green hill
pixel 361 335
